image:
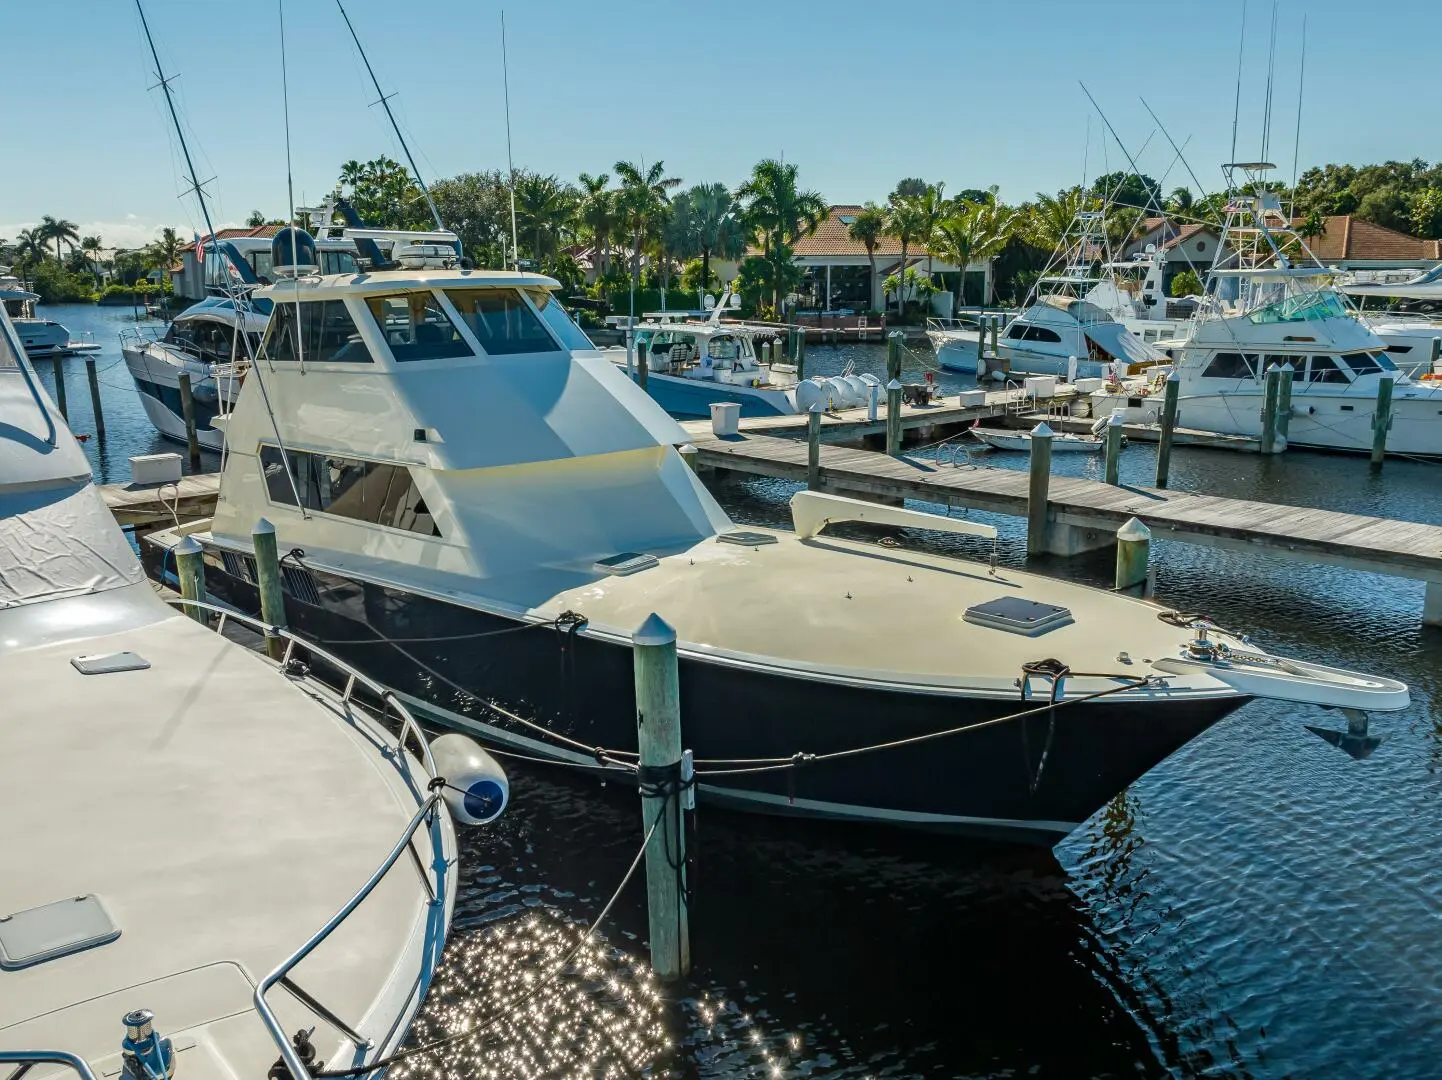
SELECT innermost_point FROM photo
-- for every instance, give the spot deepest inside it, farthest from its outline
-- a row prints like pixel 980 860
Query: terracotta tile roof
pixel 831 239
pixel 1186 232
pixel 1349 237
pixel 241 234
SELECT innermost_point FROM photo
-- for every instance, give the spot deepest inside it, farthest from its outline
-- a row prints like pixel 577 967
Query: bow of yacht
pixel 206 851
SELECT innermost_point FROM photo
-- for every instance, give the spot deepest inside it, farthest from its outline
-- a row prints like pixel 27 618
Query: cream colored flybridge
pixel 185 819
pixel 479 508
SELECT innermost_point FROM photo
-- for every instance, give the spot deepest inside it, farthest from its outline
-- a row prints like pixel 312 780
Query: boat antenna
pixel 1271 68
pixel 1237 100
pixel 510 162
pixel 1297 138
pixel 241 304
pixel 290 189
pixel 1086 150
pixel 385 100
pixel 1201 188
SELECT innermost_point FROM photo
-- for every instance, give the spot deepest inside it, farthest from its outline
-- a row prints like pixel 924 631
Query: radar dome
pixel 292 253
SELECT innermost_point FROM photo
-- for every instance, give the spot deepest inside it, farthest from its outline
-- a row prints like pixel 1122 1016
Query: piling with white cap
pixel 1113 450
pixel 893 417
pixel 190 569
pixel 268 583
pixel 1134 548
pixel 813 446
pixel 1040 481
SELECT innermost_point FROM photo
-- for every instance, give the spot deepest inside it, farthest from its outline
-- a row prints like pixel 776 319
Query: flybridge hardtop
pixel 445 455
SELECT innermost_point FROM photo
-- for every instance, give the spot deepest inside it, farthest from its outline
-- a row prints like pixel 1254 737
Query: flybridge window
pixel 323 333
pixel 1229 365
pixel 502 321
pixel 416 328
pixel 371 491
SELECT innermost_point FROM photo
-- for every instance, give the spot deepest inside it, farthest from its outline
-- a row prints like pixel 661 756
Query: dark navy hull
pixel 1006 781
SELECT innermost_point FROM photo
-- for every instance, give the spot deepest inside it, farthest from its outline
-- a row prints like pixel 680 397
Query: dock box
pixel 1043 386
pixel 1087 386
pixel 971 399
pixel 725 418
pixel 155 469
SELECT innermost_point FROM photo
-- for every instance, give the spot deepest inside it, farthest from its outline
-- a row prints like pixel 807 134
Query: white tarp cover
pixel 1123 344
pixel 60 542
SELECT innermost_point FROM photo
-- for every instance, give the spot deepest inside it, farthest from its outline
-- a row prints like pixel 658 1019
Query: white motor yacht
pixel 40 337
pixel 214 863
pixel 456 460
pixel 1270 302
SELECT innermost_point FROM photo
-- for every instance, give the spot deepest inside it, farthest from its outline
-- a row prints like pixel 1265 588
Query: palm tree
pixel 867 228
pixel 1180 200
pixel 931 208
pixel 546 208
pixel 163 252
pixel 973 232
pixel 639 205
pixel 707 224
pixel 91 246
pixel 1051 217
pixel 59 231
pixel 352 172
pixel 598 215
pixel 30 244
pixel 905 220
pixel 779 213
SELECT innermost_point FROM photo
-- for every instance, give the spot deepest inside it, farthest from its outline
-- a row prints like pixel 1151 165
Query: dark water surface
pixel 1260 905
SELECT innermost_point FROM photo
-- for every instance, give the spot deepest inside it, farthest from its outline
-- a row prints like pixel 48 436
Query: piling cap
pixel 688 449
pixel 817 407
pixel 1041 431
pixel 654 631
pixel 1175 376
pixel 188 545
pixel 262 527
pixel 893 385
pixel 1134 530
pixel 1116 419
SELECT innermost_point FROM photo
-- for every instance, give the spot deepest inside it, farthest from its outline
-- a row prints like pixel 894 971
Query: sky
pixel 857 94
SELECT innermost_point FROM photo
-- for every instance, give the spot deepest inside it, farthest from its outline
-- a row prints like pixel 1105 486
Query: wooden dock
pixel 1181 436
pixel 1084 514
pixel 148 505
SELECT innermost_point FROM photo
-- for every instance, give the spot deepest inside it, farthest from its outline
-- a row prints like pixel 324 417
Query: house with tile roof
pixel 1350 243
pixel 187 278
pixel 837 277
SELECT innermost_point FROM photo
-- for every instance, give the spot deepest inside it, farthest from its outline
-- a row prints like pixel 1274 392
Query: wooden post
pixel 813 447
pixel 1041 437
pixel 1272 381
pixel 873 400
pixel 1134 544
pixel 995 331
pixel 190 569
pixel 268 582
pixel 658 737
pixel 1381 422
pixel 187 410
pixel 94 380
pixel 800 353
pixel 893 418
pixel 1171 393
pixel 893 355
pixel 1113 450
pixel 643 364
pixel 1283 423
pixel 60 386
pixel 981 346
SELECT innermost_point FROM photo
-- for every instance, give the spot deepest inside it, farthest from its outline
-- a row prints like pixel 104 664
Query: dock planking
pixel 154 504
pixel 1300 533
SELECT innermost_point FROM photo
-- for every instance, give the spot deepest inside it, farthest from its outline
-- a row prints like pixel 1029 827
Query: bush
pixel 650 300
pixel 1186 283
pixel 56 285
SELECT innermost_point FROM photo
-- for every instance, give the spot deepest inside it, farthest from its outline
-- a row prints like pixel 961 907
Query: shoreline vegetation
pixel 640 228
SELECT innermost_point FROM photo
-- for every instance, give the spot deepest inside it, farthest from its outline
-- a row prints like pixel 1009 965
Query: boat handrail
pixel 428 801
pixel 27 1059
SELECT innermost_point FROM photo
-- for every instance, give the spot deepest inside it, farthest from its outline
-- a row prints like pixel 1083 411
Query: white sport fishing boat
pixel 39 337
pixel 202 844
pixel 1269 302
pixel 475 466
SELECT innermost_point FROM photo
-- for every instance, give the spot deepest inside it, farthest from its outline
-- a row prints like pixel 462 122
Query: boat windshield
pixel 1301 307
pixel 502 321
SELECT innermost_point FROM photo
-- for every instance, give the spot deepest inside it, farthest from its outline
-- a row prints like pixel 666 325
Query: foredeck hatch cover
pixel 744 538
pixel 1017 615
pixel 56 929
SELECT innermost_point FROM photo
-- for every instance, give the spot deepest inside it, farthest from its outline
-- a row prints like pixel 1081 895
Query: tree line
pixel 62 266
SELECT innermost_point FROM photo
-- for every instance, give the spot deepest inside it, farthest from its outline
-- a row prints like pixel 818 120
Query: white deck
pixel 222 813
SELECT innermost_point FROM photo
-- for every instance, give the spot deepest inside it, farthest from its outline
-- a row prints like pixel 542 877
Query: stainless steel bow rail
pixel 427 792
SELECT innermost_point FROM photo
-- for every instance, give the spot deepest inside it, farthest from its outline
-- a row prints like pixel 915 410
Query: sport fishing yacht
pixel 1065 327
pixel 40 337
pixel 457 463
pixel 1268 302
pixel 201 844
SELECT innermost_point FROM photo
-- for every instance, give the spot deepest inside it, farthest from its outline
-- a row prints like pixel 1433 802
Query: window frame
pixel 1247 361
pixel 557 345
pixel 291 452
pixel 439 298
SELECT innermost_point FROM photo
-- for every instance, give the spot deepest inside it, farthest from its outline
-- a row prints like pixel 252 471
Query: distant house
pixel 836 273
pixel 188 279
pixel 1350 243
pixel 1190 246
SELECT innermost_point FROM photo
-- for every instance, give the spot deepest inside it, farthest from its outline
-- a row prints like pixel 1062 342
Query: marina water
pixel 1260 905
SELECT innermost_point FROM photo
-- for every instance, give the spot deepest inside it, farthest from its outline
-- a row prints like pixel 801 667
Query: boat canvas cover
pixel 60 542
pixel 1122 344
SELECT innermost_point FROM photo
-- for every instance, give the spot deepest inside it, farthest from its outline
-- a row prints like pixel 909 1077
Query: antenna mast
pixel 1237 101
pixel 385 100
pixel 510 164
pixel 1297 139
pixel 1271 68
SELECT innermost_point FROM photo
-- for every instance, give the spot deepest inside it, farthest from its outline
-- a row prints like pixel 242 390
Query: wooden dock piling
pixel 658 734
pixel 1040 481
pixel 190 569
pixel 893 417
pixel 268 582
pixel 800 353
pixel 1170 395
pixel 1283 423
pixel 1272 379
pixel 813 447
pixel 995 331
pixel 1134 545
pixel 60 386
pixel 1113 449
pixel 94 380
pixel 1381 422
pixel 187 410
pixel 894 342
pixel 981 347
pixel 643 364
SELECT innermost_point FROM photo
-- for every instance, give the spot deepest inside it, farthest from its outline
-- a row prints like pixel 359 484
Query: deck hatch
pixel 106 663
pixel 745 538
pixel 1018 615
pixel 52 930
pixel 627 562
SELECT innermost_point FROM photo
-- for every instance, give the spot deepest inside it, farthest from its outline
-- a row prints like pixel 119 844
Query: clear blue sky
pixel 858 94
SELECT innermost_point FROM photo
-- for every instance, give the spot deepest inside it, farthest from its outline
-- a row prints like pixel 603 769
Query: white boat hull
pixel 156 373
pixel 1020 440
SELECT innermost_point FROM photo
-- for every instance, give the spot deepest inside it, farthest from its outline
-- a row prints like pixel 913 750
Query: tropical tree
pixel 931 208
pixel 640 205
pixel 90 245
pixel 60 231
pixel 546 211
pixel 905 220
pixel 164 252
pixel 477 208
pixel 1179 201
pixel 705 223
pixel 1050 217
pixel 256 219
pixel 30 245
pixel 598 216
pixel 777 212
pixel 1425 210
pixel 1187 283
pixel 973 232
pixel 383 194
pixel 867 228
